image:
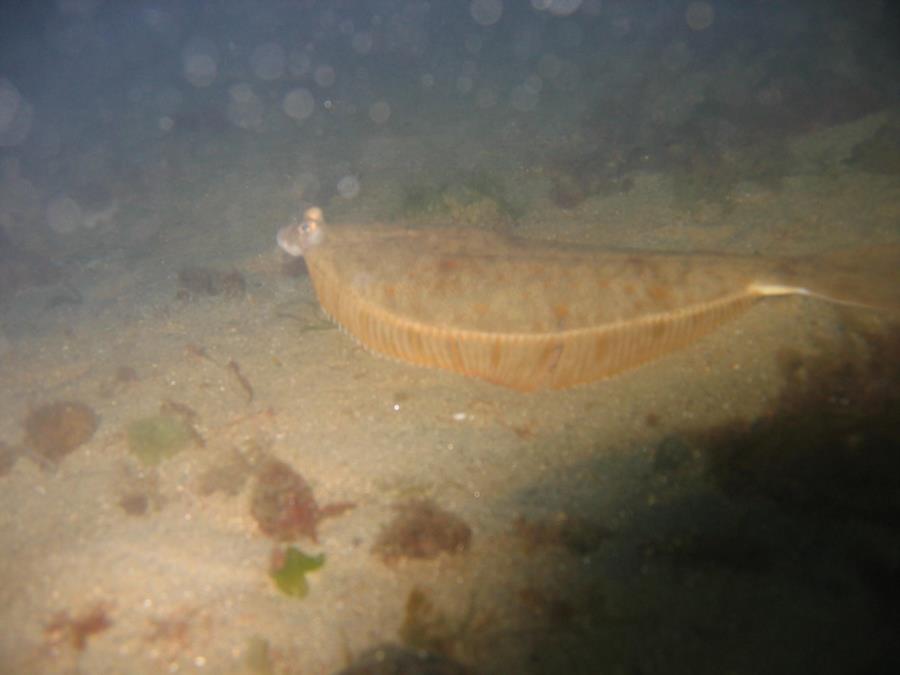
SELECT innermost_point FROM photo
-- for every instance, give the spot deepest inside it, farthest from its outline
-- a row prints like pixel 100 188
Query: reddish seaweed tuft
pixel 54 430
pixel 421 529
pixel 283 504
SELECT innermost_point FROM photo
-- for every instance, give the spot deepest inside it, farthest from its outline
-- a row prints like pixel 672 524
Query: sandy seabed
pixel 112 566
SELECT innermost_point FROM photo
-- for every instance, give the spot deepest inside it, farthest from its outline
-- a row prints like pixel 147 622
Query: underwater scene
pixel 434 337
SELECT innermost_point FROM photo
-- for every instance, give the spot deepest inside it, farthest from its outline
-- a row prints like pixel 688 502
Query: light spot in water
pixel 299 63
pixel 306 185
pixel 10 99
pixel 268 61
pixel 549 66
pixel 486 98
pixel 200 62
pixel 699 15
pixel 245 109
pixel 324 75
pixel 348 187
pixel 380 112
pixel 486 12
pixel 523 98
pixel 16 115
pixel 557 7
pixel 362 42
pixel 64 214
pixel 298 104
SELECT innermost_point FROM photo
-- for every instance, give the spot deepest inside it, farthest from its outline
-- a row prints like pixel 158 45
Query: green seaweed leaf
pixel 156 438
pixel 290 575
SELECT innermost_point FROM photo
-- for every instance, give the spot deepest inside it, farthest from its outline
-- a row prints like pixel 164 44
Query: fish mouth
pixel 289 240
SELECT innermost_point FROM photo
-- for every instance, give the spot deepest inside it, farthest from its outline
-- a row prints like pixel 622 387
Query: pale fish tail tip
pixel 863 277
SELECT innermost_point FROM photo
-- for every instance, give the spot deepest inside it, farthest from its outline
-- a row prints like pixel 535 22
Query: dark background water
pixel 96 94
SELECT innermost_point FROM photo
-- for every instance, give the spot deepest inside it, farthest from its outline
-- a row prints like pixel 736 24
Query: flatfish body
pixel 531 314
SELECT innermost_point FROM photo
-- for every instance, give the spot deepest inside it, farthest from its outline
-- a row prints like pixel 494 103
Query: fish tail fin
pixel 863 277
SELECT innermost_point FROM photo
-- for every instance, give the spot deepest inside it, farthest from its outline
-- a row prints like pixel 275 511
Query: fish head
pixel 298 238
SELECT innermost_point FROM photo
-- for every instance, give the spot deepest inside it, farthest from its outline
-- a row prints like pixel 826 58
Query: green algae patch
pixel 289 568
pixel 157 438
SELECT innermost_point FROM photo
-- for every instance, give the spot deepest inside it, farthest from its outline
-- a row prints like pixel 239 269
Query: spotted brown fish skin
pixel 530 314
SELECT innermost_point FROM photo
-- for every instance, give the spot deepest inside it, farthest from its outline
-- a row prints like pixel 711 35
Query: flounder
pixel 531 314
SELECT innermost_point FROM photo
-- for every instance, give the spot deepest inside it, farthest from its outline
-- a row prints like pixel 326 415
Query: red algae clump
pixel 421 529
pixel 54 430
pixel 283 504
pixel 64 628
